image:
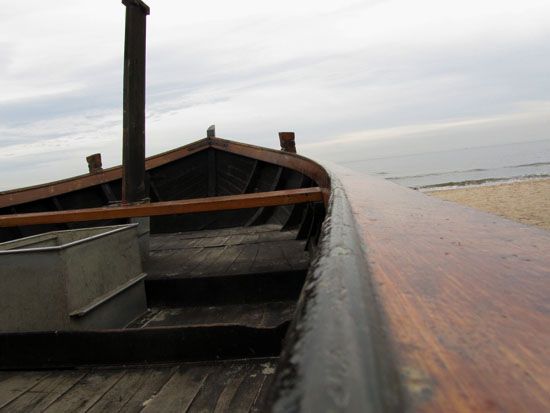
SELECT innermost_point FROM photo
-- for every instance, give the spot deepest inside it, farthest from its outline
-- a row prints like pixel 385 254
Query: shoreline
pixel 526 201
pixel 480 183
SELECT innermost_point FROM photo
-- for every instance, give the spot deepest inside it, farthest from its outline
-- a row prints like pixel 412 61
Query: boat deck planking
pixel 257 315
pixel 230 293
pixel 228 251
pixel 234 265
pixel 236 386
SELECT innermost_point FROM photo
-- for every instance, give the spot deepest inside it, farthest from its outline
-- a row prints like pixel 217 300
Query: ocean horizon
pixel 445 169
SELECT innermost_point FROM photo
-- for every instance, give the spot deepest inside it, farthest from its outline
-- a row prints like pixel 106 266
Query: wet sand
pixel 526 201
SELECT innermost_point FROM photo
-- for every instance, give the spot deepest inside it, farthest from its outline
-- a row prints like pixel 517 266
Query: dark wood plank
pixel 153 190
pixel 47 391
pixel 210 242
pixel 250 384
pixel 214 386
pixel 179 392
pixel 161 238
pixel 266 374
pixel 296 254
pixel 260 401
pixel 220 203
pixel 270 256
pixel 86 392
pixel 207 261
pixel 217 260
pixel 219 264
pixel 226 397
pixel 174 262
pixel 13 385
pixel 250 176
pixel 149 388
pixel 212 173
pixel 134 388
pixel 227 255
pixel 228 185
pixel 108 192
pixel 245 259
pixel 260 215
pixel 261 315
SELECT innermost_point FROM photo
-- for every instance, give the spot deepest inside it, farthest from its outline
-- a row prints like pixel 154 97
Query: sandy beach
pixel 526 201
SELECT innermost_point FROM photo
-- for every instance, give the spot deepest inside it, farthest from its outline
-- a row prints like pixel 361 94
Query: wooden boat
pixel 272 284
pixel 336 291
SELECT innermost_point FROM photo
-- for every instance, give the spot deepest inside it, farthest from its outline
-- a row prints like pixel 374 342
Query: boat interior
pixel 221 289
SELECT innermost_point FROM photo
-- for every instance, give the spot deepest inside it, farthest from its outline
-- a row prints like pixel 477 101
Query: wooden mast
pixel 133 135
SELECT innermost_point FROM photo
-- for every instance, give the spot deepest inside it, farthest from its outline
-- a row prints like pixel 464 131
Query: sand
pixel 526 201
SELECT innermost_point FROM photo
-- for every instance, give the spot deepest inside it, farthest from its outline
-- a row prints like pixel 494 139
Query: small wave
pixel 438 173
pixel 529 164
pixel 480 182
pixel 398 177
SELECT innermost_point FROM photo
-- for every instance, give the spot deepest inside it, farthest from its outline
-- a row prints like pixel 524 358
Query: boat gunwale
pixel 338 294
pixel 306 166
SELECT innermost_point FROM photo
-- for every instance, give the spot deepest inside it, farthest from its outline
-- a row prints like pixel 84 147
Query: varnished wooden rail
pixel 218 203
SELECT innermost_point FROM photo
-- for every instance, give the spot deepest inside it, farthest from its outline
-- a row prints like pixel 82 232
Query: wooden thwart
pixel 218 203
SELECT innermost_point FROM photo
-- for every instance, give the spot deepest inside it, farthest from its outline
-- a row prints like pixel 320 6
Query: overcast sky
pixel 347 76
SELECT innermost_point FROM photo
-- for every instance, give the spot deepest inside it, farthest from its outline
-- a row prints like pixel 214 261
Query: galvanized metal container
pixel 80 279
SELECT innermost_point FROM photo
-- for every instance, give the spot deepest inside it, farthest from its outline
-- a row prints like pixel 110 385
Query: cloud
pixel 325 69
pixel 529 122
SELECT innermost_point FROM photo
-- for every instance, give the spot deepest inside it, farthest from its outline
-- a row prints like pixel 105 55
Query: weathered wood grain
pixel 180 391
pixel 226 251
pixel 86 392
pixel 135 386
pixel 260 315
pixel 465 295
pixel 47 391
pixel 12 385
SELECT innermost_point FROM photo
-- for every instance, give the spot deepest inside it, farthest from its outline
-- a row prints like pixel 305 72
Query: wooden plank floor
pixel 225 261
pixel 258 315
pixel 242 250
pixel 232 386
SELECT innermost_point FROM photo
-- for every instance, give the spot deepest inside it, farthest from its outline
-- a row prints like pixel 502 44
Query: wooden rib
pixel 220 203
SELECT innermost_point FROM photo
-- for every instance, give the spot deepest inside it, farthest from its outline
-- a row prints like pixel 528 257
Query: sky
pixel 351 78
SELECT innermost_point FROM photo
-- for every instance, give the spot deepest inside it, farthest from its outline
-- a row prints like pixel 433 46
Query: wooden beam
pixel 133 120
pixel 218 203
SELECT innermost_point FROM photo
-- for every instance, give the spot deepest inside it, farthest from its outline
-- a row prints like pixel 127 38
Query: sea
pixel 470 166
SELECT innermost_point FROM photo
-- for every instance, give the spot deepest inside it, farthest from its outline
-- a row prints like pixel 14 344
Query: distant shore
pixel 524 201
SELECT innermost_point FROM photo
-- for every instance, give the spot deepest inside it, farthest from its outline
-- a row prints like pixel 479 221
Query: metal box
pixel 79 279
